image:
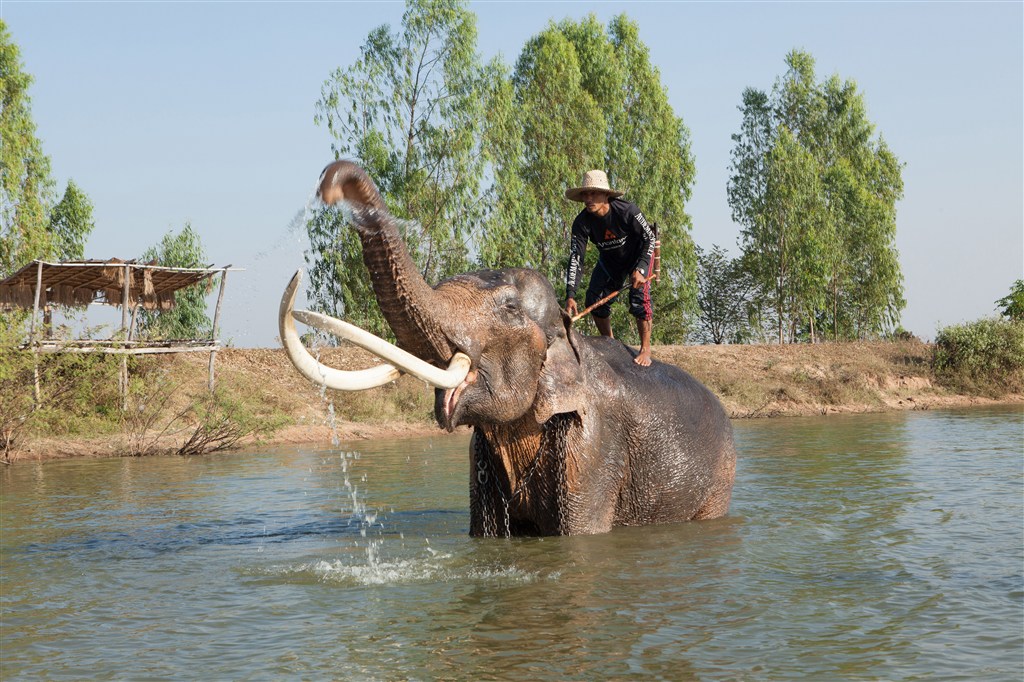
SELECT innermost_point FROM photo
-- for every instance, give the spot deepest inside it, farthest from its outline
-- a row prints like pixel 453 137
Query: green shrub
pixel 984 357
pixel 77 394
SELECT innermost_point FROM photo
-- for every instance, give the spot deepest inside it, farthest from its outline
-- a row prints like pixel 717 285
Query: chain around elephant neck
pixel 520 487
pixel 557 431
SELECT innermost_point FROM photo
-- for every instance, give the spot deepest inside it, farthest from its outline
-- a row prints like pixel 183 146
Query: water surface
pixel 861 547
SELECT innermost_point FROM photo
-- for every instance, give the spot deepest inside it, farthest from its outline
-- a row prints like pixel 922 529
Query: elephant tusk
pixel 401 360
pixel 457 370
pixel 313 369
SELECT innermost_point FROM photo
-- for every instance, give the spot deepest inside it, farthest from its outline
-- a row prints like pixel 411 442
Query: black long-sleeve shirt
pixel 623 237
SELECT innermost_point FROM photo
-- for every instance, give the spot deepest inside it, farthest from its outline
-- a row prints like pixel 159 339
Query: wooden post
pixel 131 325
pixel 216 321
pixel 32 332
pixel 124 328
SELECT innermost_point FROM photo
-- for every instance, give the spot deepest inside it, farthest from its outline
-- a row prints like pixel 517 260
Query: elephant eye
pixel 511 307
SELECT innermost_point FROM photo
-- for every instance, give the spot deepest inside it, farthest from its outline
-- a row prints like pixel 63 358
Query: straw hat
pixel 593 181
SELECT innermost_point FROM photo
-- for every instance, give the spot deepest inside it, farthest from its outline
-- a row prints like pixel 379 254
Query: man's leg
pixel 640 307
pixel 644 357
pixel 601 284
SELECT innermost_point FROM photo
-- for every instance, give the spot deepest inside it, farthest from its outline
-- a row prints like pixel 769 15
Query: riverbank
pixel 752 381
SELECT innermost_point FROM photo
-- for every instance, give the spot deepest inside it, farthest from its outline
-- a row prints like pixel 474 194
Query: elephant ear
pixel 560 388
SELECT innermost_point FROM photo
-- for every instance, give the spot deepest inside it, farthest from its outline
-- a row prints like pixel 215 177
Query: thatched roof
pixel 79 283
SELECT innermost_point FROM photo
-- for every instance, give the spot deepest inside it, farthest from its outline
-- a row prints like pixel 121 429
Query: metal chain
pixel 562 446
pixel 484 484
pixel 554 438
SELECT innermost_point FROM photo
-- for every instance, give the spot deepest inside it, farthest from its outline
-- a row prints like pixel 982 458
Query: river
pixel 868 547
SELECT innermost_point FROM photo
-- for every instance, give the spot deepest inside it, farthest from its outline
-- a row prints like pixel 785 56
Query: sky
pixel 167 113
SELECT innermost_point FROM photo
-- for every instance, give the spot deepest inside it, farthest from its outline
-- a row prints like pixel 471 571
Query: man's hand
pixel 570 307
pixel 638 279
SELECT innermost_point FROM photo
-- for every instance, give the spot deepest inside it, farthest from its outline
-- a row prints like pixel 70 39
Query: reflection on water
pixel 867 547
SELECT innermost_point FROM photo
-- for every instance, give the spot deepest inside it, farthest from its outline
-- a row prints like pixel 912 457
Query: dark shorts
pixel 603 283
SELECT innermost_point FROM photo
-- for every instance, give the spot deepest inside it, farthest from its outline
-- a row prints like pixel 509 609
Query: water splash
pixel 428 566
pixel 294 232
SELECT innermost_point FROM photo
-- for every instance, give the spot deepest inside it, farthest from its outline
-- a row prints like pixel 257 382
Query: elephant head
pixel 502 329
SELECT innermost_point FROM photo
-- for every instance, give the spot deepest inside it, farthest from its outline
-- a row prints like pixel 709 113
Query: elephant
pixel 569 435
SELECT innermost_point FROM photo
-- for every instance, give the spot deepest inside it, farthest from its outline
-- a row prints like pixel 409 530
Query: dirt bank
pixel 752 381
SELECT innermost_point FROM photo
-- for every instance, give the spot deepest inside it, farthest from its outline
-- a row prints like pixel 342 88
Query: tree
pixel 649 152
pixel 411 109
pixel 431 124
pixel 815 197
pixel 581 97
pixel 188 318
pixel 552 128
pixel 26 188
pixel 70 224
pixel 862 183
pixel 726 295
pixel 31 225
pixel 1012 305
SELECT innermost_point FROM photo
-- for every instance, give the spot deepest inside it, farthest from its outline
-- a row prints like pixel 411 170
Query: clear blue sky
pixel 167 112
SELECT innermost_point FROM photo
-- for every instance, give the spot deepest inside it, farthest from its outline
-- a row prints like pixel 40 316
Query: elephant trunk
pixel 411 307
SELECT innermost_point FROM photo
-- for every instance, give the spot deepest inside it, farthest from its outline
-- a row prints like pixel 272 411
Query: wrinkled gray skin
pixel 570 436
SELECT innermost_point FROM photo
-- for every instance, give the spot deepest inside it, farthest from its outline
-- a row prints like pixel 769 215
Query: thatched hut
pixel 129 284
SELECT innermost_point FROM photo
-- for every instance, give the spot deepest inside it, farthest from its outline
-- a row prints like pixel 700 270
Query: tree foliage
pixel 584 96
pixel 815 194
pixel 1011 306
pixel 411 109
pixel 33 224
pixel 727 298
pixel 26 188
pixel 477 156
pixel 549 129
pixel 188 318
pixel 71 223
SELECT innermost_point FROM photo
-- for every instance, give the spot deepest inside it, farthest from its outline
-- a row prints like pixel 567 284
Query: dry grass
pixel 750 380
pixel 773 380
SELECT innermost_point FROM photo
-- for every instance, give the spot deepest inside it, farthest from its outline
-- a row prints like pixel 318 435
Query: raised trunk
pixel 410 306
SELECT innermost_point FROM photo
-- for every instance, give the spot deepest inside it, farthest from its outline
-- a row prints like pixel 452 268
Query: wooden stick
pixel 125 298
pixel 32 335
pixel 607 298
pixel 216 322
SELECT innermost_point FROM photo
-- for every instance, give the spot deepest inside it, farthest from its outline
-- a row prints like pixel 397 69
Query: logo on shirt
pixel 609 235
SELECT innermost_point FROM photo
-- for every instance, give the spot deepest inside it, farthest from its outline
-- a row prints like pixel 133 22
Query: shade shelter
pixel 129 284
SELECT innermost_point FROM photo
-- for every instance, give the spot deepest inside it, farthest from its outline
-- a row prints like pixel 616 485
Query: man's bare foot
pixel 643 358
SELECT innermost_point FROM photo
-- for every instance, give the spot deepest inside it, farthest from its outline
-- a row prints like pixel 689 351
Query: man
pixel 626 245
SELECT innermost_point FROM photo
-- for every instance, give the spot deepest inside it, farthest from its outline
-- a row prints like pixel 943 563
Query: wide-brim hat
pixel 593 181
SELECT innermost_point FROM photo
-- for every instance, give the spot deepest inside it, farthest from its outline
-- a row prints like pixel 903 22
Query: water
pixel 872 547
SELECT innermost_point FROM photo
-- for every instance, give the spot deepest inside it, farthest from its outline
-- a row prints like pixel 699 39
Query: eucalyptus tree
pixel 188 318
pixel 649 154
pixel 71 222
pixel 26 187
pixel 544 127
pixel 33 224
pixel 410 109
pixel 784 245
pixel 584 96
pixel 839 269
pixel 862 183
pixel 726 296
